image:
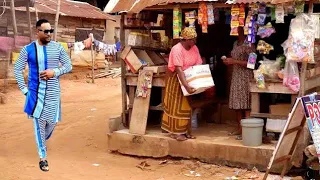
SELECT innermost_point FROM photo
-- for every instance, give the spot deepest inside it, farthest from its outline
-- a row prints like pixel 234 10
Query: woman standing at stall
pixel 177 111
pixel 239 98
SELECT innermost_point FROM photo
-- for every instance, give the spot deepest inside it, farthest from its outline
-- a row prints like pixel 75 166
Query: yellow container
pixel 14 57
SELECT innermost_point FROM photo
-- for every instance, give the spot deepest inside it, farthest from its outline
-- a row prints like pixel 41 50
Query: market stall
pixel 281 72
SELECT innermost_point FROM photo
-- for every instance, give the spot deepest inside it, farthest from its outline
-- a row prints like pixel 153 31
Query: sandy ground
pixel 78 148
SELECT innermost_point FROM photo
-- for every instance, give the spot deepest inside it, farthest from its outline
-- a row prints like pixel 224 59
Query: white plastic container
pixel 252 131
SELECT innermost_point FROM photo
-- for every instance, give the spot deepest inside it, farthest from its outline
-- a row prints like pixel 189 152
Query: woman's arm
pixel 183 80
pixel 240 63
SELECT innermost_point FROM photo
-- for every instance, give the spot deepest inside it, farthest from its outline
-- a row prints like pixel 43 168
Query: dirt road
pixel 78 147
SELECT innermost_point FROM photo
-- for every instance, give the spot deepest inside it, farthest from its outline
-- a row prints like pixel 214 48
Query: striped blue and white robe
pixel 42 97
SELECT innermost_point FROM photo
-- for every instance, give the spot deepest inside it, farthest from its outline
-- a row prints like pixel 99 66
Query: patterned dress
pixel 241 76
pixel 177 111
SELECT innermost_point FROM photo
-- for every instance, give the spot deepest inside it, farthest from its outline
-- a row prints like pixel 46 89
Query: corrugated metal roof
pixel 18 3
pixel 69 8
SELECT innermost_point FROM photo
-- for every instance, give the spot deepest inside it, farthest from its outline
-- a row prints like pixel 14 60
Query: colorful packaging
pixel 273 13
pixel 251 38
pixel 177 22
pixel 279 14
pixel 266 31
pixel 299 7
pixel 248 19
pixel 242 15
pixel 190 18
pixel 261 19
pixel 203 16
pixel 264 48
pixel 254 8
pixel 235 12
pixel 210 12
pixel 252 60
pixel 259 79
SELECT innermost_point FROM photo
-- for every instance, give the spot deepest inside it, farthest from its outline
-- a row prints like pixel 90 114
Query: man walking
pixel 43 92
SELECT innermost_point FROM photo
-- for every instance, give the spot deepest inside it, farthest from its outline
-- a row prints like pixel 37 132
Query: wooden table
pixel 275 87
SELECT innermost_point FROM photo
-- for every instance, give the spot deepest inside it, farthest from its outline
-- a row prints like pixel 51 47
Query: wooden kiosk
pixel 154 144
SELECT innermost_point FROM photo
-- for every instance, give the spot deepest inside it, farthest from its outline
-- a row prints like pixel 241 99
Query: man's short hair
pixel 40 22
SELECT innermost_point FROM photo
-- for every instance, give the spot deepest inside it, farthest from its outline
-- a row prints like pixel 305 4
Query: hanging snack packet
pixel 246 27
pixel 235 12
pixel 242 15
pixel 299 7
pixel 262 8
pixel 210 14
pixel 264 48
pixel 254 8
pixel 191 18
pixel 279 14
pixel 177 24
pixel 204 19
pixel 261 19
pixel 273 13
pixel 252 60
pixel 251 38
pixel 266 31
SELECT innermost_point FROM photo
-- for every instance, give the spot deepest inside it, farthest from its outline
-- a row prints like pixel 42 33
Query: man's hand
pixel 190 89
pixel 47 74
pixel 228 61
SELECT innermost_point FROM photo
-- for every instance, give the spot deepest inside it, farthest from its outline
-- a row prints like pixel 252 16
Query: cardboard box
pixel 275 125
pixel 199 77
pixel 135 59
pixel 156 58
pixel 280 109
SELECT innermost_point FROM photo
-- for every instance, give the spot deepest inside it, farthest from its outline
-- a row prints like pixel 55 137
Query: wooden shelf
pixel 144 28
pixel 151 49
pixel 155 108
pixel 266 115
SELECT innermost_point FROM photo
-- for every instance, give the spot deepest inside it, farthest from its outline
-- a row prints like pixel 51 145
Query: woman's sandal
pixel 235 133
pixel 189 136
pixel 239 137
pixel 44 165
pixel 179 137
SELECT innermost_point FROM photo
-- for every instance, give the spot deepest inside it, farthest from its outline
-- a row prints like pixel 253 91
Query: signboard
pixel 306 108
pixel 311 105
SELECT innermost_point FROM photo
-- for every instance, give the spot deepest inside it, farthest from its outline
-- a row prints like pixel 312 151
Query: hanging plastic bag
pixel 270 68
pixel 291 76
pixel 300 43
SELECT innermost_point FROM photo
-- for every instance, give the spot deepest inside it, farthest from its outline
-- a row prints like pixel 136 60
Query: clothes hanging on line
pixel 107 49
pixel 78 47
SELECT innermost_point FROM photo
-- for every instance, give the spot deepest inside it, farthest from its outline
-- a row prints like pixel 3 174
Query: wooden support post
pixel 29 21
pixel 92 63
pixel 255 102
pixel 132 93
pixel 56 21
pixel 123 72
pixel 36 12
pixel 14 21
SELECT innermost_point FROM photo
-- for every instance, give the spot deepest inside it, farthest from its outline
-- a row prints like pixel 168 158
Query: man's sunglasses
pixel 47 31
